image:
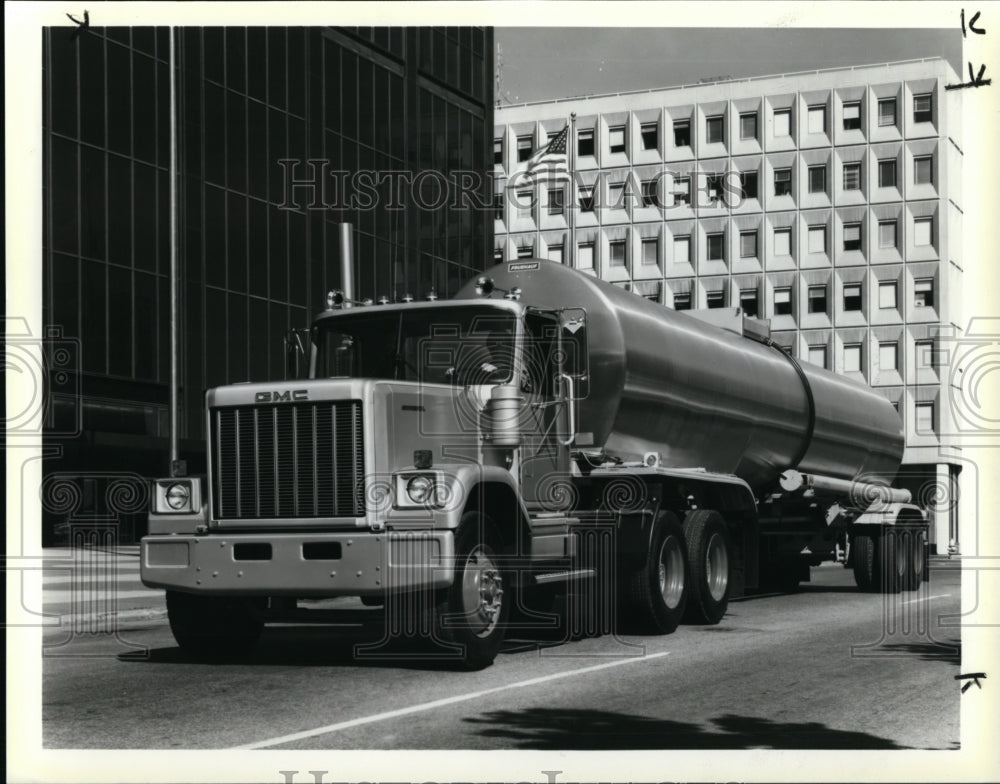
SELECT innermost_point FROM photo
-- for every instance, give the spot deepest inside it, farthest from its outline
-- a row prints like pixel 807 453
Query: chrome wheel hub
pixel 717 567
pixel 482 591
pixel 671 571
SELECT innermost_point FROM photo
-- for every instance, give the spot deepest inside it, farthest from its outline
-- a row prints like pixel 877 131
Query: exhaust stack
pixel 347 263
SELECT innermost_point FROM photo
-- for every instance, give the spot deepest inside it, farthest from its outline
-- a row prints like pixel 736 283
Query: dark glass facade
pixel 275 128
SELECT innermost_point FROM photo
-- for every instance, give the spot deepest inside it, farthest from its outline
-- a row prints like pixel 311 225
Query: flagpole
pixel 571 256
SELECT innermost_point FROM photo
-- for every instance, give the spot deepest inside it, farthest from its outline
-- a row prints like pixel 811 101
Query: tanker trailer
pixel 540 433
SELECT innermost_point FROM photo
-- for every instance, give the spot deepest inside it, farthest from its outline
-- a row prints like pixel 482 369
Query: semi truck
pixel 541 433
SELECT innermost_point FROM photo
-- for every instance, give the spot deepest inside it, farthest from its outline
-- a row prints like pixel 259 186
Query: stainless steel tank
pixel 704 397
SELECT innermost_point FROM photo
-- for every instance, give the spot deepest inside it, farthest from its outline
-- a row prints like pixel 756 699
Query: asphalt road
pixel 825 668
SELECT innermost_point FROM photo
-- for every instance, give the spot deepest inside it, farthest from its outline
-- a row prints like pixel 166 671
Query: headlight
pixel 178 495
pixel 420 489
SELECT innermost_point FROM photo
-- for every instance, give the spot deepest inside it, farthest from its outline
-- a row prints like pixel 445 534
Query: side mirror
pixel 295 354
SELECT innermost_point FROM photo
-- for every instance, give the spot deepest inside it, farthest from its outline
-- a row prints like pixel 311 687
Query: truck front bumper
pixel 299 564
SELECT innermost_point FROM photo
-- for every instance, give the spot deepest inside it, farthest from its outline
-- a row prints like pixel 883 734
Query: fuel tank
pixel 703 397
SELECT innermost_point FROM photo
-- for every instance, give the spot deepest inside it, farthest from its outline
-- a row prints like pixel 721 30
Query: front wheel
pixel 210 627
pixel 710 566
pixel 655 595
pixel 472 613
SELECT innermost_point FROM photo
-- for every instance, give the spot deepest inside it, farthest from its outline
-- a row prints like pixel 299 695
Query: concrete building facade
pixel 828 202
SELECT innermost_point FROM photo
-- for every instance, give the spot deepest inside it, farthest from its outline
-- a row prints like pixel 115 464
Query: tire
pixel 892 560
pixel 472 613
pixel 213 628
pixel 709 556
pixel 865 565
pixel 914 559
pixel 655 596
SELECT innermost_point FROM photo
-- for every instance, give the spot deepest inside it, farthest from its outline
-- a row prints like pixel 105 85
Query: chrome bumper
pixel 299 564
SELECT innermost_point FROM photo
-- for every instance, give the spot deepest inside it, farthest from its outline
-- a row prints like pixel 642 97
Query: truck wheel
pixel 655 595
pixel 892 560
pixel 209 627
pixel 709 565
pixel 472 613
pixel 913 542
pixel 863 556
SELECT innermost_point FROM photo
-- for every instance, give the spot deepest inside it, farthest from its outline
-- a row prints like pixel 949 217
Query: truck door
pixel 544 459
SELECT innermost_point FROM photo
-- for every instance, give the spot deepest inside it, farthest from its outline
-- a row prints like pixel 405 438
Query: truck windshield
pixel 460 345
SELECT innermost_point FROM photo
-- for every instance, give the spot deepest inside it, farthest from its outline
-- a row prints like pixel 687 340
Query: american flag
pixel 548 165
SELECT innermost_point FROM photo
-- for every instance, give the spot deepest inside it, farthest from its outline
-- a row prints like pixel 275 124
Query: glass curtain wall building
pixel 276 130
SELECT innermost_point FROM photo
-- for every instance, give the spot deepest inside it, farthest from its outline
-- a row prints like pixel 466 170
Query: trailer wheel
pixel 472 613
pixel 892 560
pixel 863 556
pixel 913 542
pixel 214 628
pixel 709 565
pixel 655 595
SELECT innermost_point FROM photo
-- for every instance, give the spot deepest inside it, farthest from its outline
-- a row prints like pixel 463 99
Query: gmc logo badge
pixel 282 397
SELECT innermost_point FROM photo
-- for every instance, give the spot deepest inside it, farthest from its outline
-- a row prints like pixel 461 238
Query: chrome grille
pixel 288 461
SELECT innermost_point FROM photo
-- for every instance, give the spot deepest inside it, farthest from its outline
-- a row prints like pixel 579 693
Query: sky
pixel 543 63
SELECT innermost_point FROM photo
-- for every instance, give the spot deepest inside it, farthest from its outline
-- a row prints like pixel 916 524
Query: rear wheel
pixel 709 565
pixel 914 559
pixel 863 556
pixel 893 560
pixel 472 613
pixel 210 627
pixel 655 595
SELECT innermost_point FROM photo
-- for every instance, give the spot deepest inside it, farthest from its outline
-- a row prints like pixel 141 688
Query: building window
pixel 923 170
pixel 616 138
pixel 923 232
pixel 713 186
pixel 748 182
pixel 716 247
pixel 817 239
pixel 748 125
pixel 924 417
pixel 817 179
pixel 585 142
pixel 887 234
pixel 617 253
pixel 783 302
pixel 852 296
pixel 497 255
pixel 817 299
pixel 749 302
pixel 925 354
pixel 616 195
pixel 524 252
pixel 887 111
pixel 923 293
pixel 714 129
pixel 782 182
pixel 498 152
pixel 682 190
pixel 888 356
pixel 682 301
pixel 817 119
pixel 523 148
pixel 650 250
pixel 557 202
pixel 782 242
pixel 748 244
pixel 498 200
pixel 715 299
pixel 887 294
pixel 682 250
pixel 650 136
pixel 649 197
pixel 782 122
pixel 817 356
pixel 922 108
pixel 586 195
pixel 524 199
pixel 852 236
pixel 585 255
pixel 555 253
pixel 682 133
pixel 852 116
pixel 887 173
pixel 852 176
pixel 852 358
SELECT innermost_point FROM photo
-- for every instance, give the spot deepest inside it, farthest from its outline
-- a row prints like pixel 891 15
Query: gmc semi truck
pixel 542 432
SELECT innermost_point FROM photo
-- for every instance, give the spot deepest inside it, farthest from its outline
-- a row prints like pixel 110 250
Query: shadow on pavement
pixel 948 652
pixel 546 728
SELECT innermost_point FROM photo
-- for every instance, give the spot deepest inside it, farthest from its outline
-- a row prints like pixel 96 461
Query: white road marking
pixel 425 706
pixel 927 598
